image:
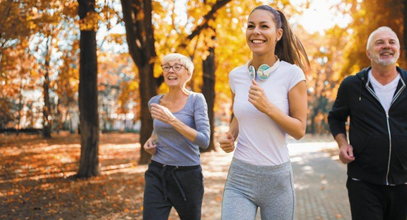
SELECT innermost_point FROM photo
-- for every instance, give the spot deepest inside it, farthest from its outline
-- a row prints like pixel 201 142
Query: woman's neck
pixel 175 93
pixel 264 59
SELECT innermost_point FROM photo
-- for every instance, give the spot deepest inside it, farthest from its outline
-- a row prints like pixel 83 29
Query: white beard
pixel 386 62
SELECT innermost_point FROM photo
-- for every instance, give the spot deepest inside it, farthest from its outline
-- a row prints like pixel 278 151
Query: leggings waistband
pixel 260 169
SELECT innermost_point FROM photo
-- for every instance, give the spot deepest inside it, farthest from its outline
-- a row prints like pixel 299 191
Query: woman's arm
pixel 186 131
pixel 227 140
pixel 201 122
pixel 294 123
pixel 163 114
pixel 199 136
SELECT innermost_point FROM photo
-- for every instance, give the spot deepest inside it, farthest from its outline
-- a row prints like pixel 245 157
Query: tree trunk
pixel 208 90
pixel 140 40
pixel 88 97
pixel 20 106
pixel 314 106
pixel 46 110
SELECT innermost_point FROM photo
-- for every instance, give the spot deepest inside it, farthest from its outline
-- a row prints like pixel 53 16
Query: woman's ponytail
pixel 289 48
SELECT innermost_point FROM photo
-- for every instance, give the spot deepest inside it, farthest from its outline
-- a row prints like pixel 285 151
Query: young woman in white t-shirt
pixel 269 102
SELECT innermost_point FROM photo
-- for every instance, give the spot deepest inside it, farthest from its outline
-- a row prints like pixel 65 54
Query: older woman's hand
pixel 150 146
pixel 162 113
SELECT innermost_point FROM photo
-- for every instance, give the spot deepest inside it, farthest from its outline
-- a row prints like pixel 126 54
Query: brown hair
pixel 289 48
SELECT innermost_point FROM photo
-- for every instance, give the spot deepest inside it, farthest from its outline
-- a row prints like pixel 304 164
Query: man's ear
pixel 367 54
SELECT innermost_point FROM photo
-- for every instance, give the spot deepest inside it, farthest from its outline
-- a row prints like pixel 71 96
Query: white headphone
pixel 263 72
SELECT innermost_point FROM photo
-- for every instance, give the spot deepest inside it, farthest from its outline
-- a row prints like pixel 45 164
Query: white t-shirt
pixel 384 92
pixel 261 141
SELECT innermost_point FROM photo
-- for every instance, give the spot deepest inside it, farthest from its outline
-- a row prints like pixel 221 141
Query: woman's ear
pixel 189 76
pixel 279 34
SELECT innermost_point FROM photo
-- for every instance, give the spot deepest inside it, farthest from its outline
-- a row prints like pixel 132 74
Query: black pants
pixel 171 186
pixel 377 202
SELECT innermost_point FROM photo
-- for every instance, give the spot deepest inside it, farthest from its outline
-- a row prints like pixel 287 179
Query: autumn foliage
pixel 40 79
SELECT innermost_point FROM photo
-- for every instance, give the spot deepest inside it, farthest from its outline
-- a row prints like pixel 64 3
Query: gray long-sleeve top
pixel 172 147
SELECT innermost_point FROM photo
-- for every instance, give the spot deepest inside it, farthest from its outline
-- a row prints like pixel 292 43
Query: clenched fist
pixel 258 98
pixel 150 146
pixel 161 113
pixel 227 142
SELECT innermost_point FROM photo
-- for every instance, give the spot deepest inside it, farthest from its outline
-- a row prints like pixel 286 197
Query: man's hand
pixel 150 146
pixel 346 153
pixel 227 142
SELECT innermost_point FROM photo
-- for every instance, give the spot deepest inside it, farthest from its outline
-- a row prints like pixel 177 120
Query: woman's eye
pixel 264 26
pixel 250 26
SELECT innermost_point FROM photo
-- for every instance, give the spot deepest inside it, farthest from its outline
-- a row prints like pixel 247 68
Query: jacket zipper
pixel 387 120
pixel 388 163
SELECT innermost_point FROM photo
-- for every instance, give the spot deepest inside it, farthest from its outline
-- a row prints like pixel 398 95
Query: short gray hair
pixel 184 60
pixel 370 38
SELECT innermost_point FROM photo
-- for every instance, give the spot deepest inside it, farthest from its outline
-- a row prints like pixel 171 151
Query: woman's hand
pixel 162 113
pixel 150 146
pixel 258 98
pixel 227 142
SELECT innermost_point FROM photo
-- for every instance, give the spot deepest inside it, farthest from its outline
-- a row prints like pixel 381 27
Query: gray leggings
pixel 268 187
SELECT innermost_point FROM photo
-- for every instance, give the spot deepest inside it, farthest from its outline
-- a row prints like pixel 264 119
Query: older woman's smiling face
pixel 175 74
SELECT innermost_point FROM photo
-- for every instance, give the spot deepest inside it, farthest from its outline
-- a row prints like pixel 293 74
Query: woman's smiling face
pixel 261 33
pixel 175 74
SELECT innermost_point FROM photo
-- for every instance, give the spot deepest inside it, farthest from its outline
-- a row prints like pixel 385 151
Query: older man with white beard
pixel 375 100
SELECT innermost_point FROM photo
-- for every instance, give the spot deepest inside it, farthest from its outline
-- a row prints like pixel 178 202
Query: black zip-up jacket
pixel 379 140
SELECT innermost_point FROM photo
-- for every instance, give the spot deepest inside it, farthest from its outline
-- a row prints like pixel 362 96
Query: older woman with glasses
pixel 181 126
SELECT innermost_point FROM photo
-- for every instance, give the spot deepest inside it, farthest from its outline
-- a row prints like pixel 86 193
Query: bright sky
pixel 320 15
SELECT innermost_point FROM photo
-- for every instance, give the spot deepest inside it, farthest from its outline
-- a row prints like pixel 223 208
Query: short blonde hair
pixel 184 60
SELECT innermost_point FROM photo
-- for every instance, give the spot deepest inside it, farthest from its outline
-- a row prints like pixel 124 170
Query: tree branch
pixel 206 18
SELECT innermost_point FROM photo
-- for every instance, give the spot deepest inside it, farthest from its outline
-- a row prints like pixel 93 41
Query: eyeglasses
pixel 176 67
